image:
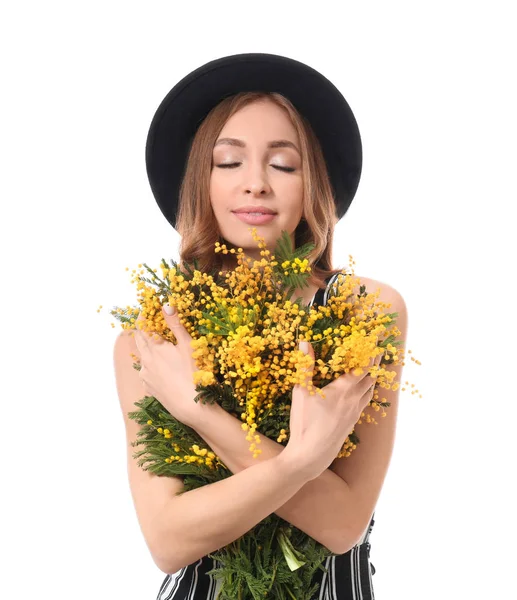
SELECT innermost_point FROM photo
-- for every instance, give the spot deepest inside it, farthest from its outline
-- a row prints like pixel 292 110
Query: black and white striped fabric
pixel 348 576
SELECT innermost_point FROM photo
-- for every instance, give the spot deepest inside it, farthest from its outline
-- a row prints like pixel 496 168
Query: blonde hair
pixel 196 222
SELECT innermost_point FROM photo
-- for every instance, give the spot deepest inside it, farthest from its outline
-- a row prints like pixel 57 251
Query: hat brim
pixel 183 109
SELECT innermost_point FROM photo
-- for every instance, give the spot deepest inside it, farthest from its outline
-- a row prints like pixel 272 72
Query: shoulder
pixel 386 288
pixel 388 293
pixel 125 341
pixel 125 352
pixel 391 296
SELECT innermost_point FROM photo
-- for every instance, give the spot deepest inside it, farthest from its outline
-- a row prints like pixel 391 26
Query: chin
pixel 240 235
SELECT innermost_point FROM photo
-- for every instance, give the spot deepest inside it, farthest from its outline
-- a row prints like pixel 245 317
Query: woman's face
pixel 256 163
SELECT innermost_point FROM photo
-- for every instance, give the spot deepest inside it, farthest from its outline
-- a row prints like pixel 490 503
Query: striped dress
pixel 348 576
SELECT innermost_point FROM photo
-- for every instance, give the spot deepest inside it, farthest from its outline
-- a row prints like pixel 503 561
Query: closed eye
pixel 236 164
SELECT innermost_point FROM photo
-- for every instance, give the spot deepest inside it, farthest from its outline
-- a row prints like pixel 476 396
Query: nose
pixel 257 183
pixel 256 190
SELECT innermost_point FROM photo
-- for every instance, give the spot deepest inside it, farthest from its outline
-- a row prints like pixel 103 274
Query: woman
pixel 217 152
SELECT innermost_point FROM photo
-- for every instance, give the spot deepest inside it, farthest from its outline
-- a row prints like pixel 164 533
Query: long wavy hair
pixel 196 222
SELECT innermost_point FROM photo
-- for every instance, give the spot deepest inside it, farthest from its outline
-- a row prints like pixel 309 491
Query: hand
pixel 167 369
pixel 319 426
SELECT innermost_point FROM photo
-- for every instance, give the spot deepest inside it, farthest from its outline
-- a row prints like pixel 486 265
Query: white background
pixel 432 88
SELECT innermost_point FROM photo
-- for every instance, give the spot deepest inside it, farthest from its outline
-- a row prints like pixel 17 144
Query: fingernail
pixel 304 346
pixel 170 310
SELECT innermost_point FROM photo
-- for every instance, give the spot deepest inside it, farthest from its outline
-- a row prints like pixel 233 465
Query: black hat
pixel 183 109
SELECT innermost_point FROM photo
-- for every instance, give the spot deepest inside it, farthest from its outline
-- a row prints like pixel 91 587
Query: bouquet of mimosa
pixel 245 331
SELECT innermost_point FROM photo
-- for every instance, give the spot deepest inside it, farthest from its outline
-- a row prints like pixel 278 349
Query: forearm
pixel 319 508
pixel 205 519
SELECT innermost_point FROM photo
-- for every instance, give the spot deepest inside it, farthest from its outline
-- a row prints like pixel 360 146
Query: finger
pixel 378 360
pixel 139 323
pixel 365 370
pixel 143 373
pixel 141 334
pixel 366 387
pixel 374 362
pixel 367 396
pixel 174 323
pixel 365 379
pixel 142 337
pixel 307 370
pixel 140 342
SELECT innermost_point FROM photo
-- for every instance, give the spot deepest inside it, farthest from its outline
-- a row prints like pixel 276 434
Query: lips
pixel 255 209
pixel 258 219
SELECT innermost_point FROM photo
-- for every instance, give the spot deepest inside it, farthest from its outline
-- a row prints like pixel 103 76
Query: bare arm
pixel 203 520
pixel 321 508
pixel 180 529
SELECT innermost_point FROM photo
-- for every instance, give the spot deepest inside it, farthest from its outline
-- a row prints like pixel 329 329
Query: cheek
pixel 219 185
pixel 294 192
pixel 216 193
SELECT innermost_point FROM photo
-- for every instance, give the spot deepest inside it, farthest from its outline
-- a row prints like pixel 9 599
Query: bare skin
pixel 306 293
pixel 248 171
pixel 332 503
pixel 256 162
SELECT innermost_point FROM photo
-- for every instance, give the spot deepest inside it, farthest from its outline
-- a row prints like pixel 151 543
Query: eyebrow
pixel 273 144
